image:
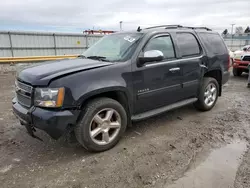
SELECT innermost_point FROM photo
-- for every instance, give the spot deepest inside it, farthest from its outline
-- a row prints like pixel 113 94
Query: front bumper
pixel 239 64
pixel 52 122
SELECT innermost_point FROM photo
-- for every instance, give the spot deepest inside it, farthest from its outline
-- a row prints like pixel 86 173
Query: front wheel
pixel 103 123
pixel 237 72
pixel 208 94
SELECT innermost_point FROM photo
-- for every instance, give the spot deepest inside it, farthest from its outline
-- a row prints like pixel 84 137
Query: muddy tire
pixel 237 72
pixel 103 122
pixel 208 94
pixel 68 139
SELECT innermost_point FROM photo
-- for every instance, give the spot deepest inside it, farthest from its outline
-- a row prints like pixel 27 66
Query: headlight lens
pixel 238 57
pixel 49 97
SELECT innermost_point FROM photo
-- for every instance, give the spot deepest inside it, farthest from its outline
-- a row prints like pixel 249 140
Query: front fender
pixel 86 84
pixel 98 91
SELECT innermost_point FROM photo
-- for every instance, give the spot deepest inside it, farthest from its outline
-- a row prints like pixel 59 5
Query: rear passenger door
pixel 190 63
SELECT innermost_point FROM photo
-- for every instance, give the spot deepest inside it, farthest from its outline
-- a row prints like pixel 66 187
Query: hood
pixel 238 52
pixel 43 73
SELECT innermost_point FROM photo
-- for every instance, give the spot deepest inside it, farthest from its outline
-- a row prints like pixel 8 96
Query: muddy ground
pixel 153 153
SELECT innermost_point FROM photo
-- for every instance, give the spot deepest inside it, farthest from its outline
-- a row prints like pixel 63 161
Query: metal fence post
pixel 86 41
pixel 54 37
pixel 232 40
pixel 11 48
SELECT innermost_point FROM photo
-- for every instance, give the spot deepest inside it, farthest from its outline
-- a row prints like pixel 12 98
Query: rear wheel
pixel 208 94
pixel 103 123
pixel 237 72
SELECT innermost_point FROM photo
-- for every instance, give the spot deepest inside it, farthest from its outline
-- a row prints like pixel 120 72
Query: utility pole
pixel 232 35
pixel 120 25
pixel 232 29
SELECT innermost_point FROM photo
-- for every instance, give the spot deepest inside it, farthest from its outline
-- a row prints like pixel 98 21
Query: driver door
pixel 157 84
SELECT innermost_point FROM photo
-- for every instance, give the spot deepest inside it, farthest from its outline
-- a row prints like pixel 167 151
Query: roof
pixel 176 27
pixel 169 27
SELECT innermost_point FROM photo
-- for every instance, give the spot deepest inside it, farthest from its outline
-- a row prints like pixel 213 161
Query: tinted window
pixel 214 43
pixel 188 44
pixel 163 44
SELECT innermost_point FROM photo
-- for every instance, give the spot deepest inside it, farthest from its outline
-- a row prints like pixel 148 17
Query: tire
pixel 68 139
pixel 205 94
pixel 95 117
pixel 237 72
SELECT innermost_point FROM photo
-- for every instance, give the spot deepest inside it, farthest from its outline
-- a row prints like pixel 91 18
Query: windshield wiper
pixel 100 58
pixel 81 56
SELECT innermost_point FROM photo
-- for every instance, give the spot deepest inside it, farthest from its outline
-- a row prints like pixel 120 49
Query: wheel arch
pixel 116 93
pixel 217 75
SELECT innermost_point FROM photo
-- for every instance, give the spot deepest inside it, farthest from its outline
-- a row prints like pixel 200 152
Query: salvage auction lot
pixel 153 153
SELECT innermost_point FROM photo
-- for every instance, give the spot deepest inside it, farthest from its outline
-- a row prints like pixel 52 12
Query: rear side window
pixel 188 44
pixel 214 43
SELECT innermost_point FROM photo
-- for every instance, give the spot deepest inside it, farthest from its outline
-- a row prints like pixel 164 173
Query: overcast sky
pixel 78 15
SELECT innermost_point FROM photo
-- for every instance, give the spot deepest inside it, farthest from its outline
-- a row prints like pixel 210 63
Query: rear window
pixel 214 43
pixel 188 44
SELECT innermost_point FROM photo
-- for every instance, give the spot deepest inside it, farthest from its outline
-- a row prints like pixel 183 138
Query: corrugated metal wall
pixel 16 44
pixel 19 44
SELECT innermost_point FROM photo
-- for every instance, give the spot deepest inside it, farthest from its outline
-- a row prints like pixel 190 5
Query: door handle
pixel 174 69
pixel 203 65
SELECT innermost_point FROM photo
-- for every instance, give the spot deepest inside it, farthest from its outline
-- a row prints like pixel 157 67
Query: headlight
pixel 49 97
pixel 237 56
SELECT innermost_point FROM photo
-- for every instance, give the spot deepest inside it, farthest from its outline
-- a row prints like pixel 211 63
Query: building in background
pixel 98 32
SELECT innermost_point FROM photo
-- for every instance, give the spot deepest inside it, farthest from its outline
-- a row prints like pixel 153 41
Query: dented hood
pixel 42 73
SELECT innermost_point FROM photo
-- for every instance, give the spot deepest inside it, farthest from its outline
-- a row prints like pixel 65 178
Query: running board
pixel 163 109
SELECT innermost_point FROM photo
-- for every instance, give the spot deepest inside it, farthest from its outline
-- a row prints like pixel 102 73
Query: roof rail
pixel 166 26
pixel 178 26
pixel 208 29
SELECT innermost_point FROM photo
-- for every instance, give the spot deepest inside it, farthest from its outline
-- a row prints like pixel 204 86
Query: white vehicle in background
pixel 238 53
pixel 241 61
pixel 243 50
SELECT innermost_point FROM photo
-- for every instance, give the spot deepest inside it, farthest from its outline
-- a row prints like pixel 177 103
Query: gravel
pixel 153 153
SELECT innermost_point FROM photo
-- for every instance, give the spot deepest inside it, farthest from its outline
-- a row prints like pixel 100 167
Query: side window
pixel 214 43
pixel 163 44
pixel 188 44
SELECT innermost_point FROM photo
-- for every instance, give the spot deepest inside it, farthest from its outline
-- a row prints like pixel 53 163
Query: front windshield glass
pixel 115 47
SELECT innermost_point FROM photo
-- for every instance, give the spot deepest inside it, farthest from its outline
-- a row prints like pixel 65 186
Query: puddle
pixel 218 170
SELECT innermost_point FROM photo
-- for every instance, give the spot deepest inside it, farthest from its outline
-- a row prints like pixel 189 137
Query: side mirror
pixel 151 56
pixel 245 49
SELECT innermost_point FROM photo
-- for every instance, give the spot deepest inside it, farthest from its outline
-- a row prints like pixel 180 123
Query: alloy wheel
pixel 105 126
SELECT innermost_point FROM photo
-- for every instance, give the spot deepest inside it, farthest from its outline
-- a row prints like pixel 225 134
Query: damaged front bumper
pixel 53 122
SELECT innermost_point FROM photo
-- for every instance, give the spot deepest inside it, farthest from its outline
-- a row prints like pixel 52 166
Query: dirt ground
pixel 153 153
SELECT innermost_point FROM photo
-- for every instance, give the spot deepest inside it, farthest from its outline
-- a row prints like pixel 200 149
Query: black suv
pixel 124 77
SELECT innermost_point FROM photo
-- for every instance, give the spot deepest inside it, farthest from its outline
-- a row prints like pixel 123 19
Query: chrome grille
pixel 246 58
pixel 244 65
pixel 24 94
